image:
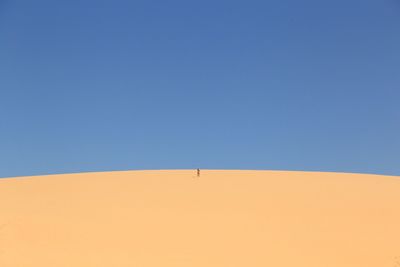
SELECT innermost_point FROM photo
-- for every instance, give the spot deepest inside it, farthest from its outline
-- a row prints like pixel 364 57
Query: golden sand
pixel 220 219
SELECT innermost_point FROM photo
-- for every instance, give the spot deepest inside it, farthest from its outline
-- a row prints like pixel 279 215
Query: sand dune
pixel 222 218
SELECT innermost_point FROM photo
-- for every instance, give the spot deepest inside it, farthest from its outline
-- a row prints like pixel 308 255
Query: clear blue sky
pixel 91 85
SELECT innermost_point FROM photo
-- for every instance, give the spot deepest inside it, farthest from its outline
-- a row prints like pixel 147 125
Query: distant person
pixel 198 172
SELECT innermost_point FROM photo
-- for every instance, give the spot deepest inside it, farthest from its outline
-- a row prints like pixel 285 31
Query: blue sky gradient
pixel 114 85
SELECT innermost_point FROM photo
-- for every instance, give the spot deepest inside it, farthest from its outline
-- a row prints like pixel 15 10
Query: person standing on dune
pixel 198 172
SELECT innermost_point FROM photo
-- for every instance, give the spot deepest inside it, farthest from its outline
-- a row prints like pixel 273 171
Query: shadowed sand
pixel 221 219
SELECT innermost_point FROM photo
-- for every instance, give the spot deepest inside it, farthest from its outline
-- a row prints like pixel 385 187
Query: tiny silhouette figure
pixel 198 172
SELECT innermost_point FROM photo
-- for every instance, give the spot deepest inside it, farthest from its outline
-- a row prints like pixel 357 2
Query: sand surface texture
pixel 220 219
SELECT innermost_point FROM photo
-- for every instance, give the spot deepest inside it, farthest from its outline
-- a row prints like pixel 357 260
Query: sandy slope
pixel 223 218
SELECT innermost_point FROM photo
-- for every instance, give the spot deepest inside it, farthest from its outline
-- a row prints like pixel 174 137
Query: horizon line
pixel 186 169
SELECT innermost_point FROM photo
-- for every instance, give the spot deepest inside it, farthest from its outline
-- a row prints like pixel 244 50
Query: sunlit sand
pixel 220 219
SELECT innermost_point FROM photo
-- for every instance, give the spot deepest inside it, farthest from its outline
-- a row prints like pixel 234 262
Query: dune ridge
pixel 222 218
